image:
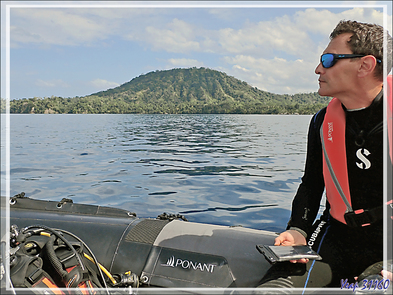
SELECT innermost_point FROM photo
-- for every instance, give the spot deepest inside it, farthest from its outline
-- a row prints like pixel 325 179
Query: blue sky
pixel 75 48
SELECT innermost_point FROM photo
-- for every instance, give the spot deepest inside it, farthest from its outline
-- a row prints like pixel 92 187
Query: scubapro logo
pixel 362 154
pixel 315 234
pixel 188 264
pixel 330 131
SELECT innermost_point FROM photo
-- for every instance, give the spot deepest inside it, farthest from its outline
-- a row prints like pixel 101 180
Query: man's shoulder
pixel 317 119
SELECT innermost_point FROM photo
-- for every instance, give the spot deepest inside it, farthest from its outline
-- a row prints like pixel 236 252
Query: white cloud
pixel 177 36
pixel 51 83
pixel 278 55
pixel 260 61
pixel 323 21
pixel 274 75
pixel 23 35
pixel 103 84
pixel 55 26
pixel 81 26
pixel 265 37
pixel 184 62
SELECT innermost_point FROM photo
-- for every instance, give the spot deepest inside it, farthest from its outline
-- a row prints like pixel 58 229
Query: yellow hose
pixel 102 268
pixel 92 260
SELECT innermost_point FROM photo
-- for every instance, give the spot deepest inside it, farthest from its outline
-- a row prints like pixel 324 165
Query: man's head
pixel 366 39
pixel 351 67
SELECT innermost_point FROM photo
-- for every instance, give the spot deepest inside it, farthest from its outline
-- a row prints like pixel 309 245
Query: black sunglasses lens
pixel 327 60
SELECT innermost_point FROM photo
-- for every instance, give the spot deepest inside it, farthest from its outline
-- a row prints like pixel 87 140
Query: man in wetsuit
pixel 346 159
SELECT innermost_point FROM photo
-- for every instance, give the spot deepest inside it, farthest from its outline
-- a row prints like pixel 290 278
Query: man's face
pixel 338 80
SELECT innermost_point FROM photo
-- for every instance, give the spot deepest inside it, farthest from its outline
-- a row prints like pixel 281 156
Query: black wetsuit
pixel 346 251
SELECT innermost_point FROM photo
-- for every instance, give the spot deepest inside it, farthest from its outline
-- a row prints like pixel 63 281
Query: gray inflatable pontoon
pixel 162 253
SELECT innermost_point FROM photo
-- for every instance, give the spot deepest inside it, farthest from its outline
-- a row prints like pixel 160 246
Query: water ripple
pixel 222 169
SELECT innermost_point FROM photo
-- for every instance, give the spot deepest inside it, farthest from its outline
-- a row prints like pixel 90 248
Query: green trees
pixel 177 91
pixel 3 105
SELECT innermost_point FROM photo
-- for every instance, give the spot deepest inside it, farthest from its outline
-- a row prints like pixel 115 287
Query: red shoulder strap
pixel 335 160
pixel 389 115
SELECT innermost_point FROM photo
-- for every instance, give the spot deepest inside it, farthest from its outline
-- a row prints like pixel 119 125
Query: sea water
pixel 237 170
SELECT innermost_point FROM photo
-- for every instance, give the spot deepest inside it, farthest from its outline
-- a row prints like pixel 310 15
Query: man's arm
pixel 306 203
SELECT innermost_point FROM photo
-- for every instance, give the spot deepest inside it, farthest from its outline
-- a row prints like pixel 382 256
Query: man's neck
pixel 361 99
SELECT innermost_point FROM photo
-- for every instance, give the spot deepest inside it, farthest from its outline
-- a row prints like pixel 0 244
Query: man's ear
pixel 367 66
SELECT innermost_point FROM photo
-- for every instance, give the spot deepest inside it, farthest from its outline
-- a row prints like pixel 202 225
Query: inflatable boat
pixel 162 252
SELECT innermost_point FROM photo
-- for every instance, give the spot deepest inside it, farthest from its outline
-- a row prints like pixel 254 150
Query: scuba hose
pixel 55 261
pixel 108 274
pixel 127 278
pixel 73 278
pixel 92 258
pixel 55 233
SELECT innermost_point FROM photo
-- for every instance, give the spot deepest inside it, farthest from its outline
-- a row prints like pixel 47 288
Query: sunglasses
pixel 329 59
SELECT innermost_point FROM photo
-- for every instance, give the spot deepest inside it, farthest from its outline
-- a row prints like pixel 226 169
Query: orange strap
pixel 47 283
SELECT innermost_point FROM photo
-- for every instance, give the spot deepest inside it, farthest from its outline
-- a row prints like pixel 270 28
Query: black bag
pixel 69 268
pixel 26 271
pixel 50 261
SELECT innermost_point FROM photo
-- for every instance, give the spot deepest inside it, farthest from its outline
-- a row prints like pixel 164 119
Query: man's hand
pixel 290 238
pixel 387 275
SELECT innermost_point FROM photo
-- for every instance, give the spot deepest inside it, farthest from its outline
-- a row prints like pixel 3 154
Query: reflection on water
pixel 222 169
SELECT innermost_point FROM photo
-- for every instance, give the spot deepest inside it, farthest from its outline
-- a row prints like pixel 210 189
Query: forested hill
pixel 178 91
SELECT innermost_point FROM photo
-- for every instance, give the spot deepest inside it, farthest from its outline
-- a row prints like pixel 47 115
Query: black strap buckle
pixel 34 276
pixel 360 218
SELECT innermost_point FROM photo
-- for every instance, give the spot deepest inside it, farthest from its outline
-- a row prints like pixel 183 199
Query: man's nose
pixel 319 69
